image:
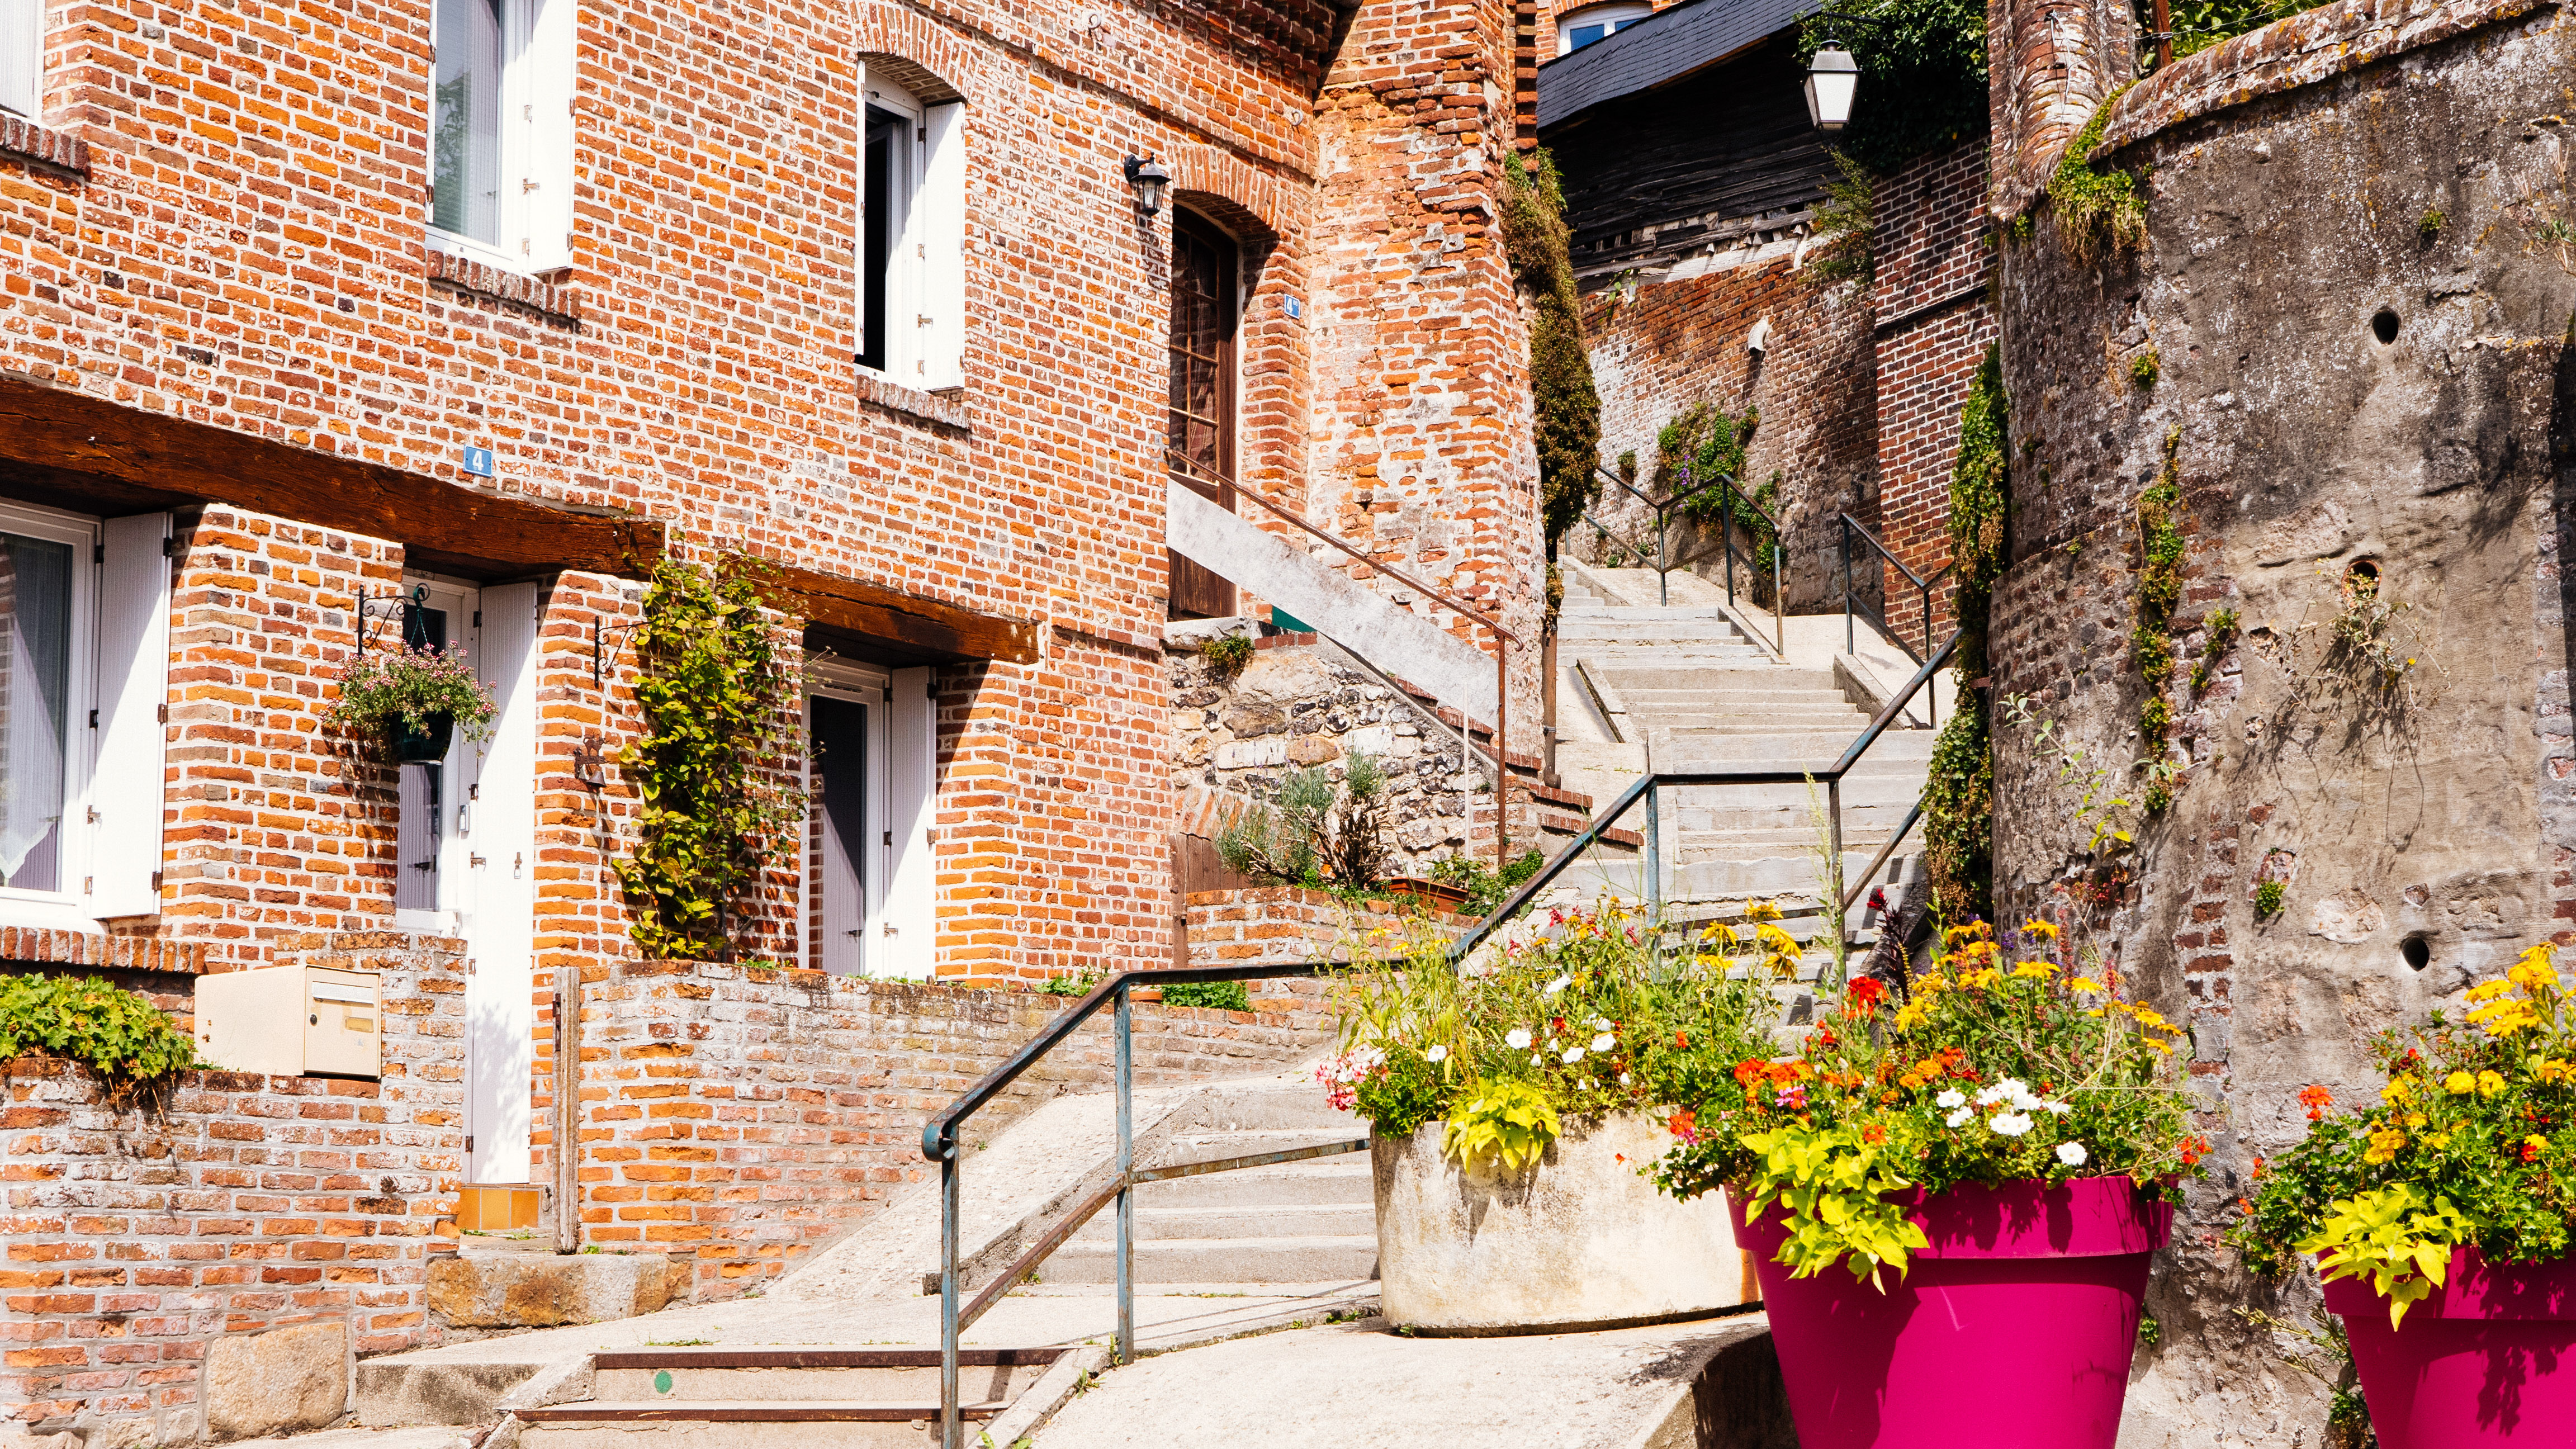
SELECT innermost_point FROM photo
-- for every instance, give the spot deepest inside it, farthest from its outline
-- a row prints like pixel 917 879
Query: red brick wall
pixel 1279 925
pixel 743 1116
pixel 231 1204
pixel 1674 344
pixel 1934 324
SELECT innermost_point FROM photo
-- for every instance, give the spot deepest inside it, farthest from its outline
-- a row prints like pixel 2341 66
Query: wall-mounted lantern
pixel 1149 178
pixel 1833 78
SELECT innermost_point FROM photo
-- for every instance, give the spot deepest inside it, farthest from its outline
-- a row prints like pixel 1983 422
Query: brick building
pixel 321 333
pixel 1693 179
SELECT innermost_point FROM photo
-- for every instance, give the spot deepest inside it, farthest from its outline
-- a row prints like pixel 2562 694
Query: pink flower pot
pixel 2013 1329
pixel 2478 1361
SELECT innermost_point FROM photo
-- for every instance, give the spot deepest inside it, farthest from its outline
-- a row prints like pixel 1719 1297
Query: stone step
pixel 1270 1108
pixel 704 1378
pixel 893 1426
pixel 1329 1259
pixel 1212 1145
pixel 1319 1182
pixel 1261 1221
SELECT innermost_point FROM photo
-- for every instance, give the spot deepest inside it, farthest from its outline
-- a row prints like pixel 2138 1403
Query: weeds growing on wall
pixel 1707 443
pixel 1321 834
pixel 124 1040
pixel 2097 207
pixel 1845 227
pixel 1959 798
pixel 2160 560
pixel 719 710
pixel 1568 410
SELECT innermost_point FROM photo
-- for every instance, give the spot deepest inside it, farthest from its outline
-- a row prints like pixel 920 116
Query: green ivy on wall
pixel 122 1038
pixel 1959 797
pixel 1568 410
pixel 720 711
pixel 2160 560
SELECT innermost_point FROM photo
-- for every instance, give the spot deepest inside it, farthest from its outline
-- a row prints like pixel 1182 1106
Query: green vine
pixel 1925 68
pixel 1959 797
pixel 1710 443
pixel 2097 205
pixel 2160 560
pixel 1845 226
pixel 719 730
pixel 1568 410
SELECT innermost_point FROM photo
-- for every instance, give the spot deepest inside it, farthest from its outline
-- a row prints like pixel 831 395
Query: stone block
pixel 277 1382
pixel 545 1290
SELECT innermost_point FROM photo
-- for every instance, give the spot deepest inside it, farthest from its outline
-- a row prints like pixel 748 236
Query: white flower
pixel 1952 1098
pixel 1623 1079
pixel 1437 1054
pixel 1603 1042
pixel 1534 1059
pixel 1559 984
pixel 1990 1096
pixel 2071 1153
pixel 1573 1055
pixel 1960 1117
pixel 1600 1023
pixel 2058 1109
pixel 2010 1124
pixel 1518 1038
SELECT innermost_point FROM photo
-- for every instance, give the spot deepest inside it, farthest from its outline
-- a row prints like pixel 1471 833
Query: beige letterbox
pixel 292 1021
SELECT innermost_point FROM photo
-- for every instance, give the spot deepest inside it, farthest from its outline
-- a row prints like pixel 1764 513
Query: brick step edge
pixel 1576 825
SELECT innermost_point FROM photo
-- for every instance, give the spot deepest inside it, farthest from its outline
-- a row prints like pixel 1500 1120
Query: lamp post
pixel 1149 178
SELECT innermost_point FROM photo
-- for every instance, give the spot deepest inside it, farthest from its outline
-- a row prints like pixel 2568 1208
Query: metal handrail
pixel 1663 511
pixel 1503 640
pixel 1853 527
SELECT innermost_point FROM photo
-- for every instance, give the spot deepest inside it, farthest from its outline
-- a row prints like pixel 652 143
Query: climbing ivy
pixel 2097 206
pixel 2160 557
pixel 1567 409
pixel 719 713
pixel 1959 796
pixel 1846 225
pixel 1709 443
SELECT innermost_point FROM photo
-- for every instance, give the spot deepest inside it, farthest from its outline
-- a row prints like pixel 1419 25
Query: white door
pixel 499 846
pixel 846 787
pixel 907 921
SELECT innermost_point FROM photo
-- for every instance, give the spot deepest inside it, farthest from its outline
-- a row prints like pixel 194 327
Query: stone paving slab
pixel 366 1439
pixel 1362 1386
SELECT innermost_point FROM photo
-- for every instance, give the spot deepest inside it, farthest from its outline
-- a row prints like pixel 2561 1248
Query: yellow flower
pixel 2459 1084
pixel 2534 969
pixel 2536 1142
pixel 2489 1084
pixel 2039 930
pixel 1762 910
pixel 1911 1015
pixel 2414 1119
pixel 1979 980
pixel 2147 1017
pixel 2489 990
pixel 2384 1145
pixel 2085 983
pixel 2397 1090
pixel 2034 970
pixel 2551 1070
pixel 2438 1139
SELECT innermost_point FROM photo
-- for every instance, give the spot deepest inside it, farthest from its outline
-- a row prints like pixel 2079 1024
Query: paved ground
pixel 367 1439
pixel 1360 1386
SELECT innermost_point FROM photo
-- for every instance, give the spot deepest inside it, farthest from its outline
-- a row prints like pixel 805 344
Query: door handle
pixel 473 860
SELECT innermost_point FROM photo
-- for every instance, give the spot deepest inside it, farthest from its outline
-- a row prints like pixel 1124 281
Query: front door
pixel 496 857
pixel 848 791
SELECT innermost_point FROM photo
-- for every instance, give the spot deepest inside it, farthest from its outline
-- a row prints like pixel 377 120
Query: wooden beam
pixel 64 446
pixel 918 628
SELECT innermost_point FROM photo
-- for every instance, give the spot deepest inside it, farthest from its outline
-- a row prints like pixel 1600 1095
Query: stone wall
pixel 741 1117
pixel 2362 356
pixel 142 1235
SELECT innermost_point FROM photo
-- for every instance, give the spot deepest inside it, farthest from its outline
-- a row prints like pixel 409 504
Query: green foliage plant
pixel 1991 1071
pixel 712 763
pixel 2145 368
pixel 2161 550
pixel 2268 896
pixel 2097 207
pixel 2470 1144
pixel 1925 69
pixel 1567 406
pixel 1703 444
pixel 1959 796
pixel 2218 635
pixel 1584 1012
pixel 1321 834
pixel 119 1036
pixel 409 687
pixel 2199 24
pixel 2429 225
pixel 1227 654
pixel 1486 887
pixel 1844 227
pixel 1213 995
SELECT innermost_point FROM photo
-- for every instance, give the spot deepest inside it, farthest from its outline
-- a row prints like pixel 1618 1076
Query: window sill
pixel 945 408
pixel 552 301
pixel 24 140
pixel 441 922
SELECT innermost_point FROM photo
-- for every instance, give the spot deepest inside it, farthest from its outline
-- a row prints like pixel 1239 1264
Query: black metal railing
pixel 940 1135
pixel 1729 494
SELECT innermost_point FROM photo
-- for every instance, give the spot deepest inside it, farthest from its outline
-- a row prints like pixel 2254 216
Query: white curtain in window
pixel 465 127
pixel 22 54
pixel 35 684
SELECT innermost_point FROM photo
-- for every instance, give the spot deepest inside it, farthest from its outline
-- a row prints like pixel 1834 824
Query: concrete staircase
pixel 1687 686
pixel 830 1398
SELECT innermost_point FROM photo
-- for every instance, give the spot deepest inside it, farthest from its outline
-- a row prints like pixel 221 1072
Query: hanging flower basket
pixel 424 743
pixel 413 701
pixel 2056 1273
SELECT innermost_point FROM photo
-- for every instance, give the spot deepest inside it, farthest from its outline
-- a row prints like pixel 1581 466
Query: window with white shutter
pixel 22 55
pixel 502 81
pixel 133 689
pixel 910 246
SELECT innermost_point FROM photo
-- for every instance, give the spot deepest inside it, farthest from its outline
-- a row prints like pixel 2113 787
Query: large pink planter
pixel 2012 1331
pixel 2487 1358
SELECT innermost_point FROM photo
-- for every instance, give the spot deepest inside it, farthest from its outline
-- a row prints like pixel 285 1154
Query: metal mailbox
pixel 292 1021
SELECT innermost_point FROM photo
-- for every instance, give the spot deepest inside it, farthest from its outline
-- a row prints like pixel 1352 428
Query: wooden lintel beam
pixel 924 626
pixel 70 445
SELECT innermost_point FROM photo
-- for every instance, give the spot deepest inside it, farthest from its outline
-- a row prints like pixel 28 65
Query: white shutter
pixel 939 226
pixel 22 54
pixel 500 1016
pixel 133 684
pixel 548 82
pixel 911 920
pixel 859 226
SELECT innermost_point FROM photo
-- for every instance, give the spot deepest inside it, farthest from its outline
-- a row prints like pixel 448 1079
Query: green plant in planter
pixel 1321 833
pixel 719 709
pixel 392 697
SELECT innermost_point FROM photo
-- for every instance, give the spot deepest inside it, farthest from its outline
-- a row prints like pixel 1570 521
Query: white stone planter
pixel 1580 1241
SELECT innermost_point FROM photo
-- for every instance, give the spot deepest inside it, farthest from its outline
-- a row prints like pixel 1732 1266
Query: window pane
pixel 35 680
pixel 465 131
pixel 882 200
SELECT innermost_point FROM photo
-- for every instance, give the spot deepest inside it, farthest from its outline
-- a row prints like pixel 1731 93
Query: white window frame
pixel 22 56
pixel 1618 16
pixel 67 907
pixel 538 82
pixel 925 275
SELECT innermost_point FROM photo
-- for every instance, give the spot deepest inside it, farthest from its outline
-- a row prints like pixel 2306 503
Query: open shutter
pixel 500 1015
pixel 939 212
pixel 133 684
pixel 22 54
pixel 911 923
pixel 549 66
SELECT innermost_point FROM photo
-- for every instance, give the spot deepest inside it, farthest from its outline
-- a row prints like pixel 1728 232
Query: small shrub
pixel 1071 983
pixel 1227 655
pixel 123 1039
pixel 2268 897
pixel 2145 368
pixel 2429 225
pixel 1486 887
pixel 1319 834
pixel 1216 995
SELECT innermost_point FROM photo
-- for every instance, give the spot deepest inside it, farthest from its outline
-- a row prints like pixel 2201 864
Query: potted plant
pixel 2440 1217
pixel 411 701
pixel 1952 1199
pixel 1515 1100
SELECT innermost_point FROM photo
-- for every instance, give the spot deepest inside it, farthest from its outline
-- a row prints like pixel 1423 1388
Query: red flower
pixel 1683 1124
pixel 1681 1039
pixel 2316 1099
pixel 2194 1148
pixel 1748 1070
pixel 1869 991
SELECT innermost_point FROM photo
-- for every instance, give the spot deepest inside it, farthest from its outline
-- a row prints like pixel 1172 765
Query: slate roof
pixel 1664 45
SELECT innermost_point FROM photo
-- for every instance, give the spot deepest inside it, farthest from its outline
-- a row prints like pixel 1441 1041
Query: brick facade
pixel 1280 925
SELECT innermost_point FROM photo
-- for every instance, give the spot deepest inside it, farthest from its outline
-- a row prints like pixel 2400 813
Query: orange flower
pixel 1873 1134
pixel 2316 1099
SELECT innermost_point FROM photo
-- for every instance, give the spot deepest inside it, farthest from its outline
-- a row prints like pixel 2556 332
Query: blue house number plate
pixel 478 461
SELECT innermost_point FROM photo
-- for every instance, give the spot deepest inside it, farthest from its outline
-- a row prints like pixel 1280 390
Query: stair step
pixel 1325 1181
pixel 1342 1259
pixel 751 1411
pixel 1259 1222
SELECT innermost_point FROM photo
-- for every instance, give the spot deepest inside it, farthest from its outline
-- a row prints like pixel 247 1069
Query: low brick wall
pixel 1289 926
pixel 224 1203
pixel 743 1116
